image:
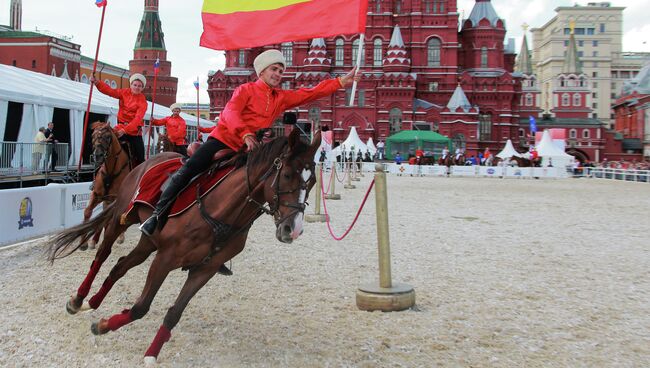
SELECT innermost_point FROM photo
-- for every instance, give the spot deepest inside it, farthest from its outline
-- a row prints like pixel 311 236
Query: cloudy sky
pixel 181 23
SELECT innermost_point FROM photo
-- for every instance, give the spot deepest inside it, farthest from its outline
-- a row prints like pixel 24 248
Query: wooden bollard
pixel 333 194
pixel 348 184
pixel 384 295
pixel 317 216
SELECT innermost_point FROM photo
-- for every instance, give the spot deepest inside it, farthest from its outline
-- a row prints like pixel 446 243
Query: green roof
pixel 21 34
pixel 421 135
pixel 562 122
pixel 150 35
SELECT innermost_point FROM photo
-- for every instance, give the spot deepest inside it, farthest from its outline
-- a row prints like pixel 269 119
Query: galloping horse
pixel 111 167
pixel 446 161
pixel 460 161
pixel 207 234
pixel 524 162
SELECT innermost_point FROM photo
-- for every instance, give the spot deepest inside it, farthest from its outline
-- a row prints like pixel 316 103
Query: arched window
pixel 484 57
pixel 377 6
pixel 398 6
pixel 585 133
pixel 485 126
pixel 522 133
pixel 338 58
pixel 458 141
pixel 395 120
pixel 433 52
pixel 84 78
pixel 242 58
pixel 377 52
pixel 529 99
pixel 565 100
pixel 113 84
pixel 355 52
pixel 572 133
pixel 577 99
pixel 314 116
pixel 287 52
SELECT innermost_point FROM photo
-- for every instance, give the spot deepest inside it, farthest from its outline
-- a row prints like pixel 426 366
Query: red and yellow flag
pixel 236 24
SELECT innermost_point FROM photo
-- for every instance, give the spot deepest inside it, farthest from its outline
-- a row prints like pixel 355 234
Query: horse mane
pixel 96 124
pixel 269 151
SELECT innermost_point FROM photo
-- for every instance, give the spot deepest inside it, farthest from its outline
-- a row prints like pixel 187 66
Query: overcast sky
pixel 181 23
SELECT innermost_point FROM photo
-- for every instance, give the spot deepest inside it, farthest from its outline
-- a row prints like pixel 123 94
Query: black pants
pixel 181 148
pixel 202 158
pixel 51 153
pixel 137 147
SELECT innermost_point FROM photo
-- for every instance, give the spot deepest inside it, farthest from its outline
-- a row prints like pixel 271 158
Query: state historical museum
pixel 419 73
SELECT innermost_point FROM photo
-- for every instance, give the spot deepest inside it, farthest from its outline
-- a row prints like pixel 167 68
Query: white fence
pixel 32 212
pixel 642 176
pixel 471 171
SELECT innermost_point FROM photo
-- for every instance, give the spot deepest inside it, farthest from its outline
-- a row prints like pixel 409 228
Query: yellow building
pixel 189 108
pixel 112 75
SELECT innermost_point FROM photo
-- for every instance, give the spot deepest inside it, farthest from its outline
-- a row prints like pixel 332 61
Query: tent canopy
pixel 410 140
pixel 352 143
pixel 508 151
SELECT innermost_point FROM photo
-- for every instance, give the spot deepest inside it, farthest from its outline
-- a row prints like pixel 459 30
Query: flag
pixel 100 3
pixel 156 65
pixel 236 24
pixel 533 124
pixel 196 84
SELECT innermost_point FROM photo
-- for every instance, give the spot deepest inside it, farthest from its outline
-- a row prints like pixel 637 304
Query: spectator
pixel 39 149
pixel 50 151
pixel 380 150
pixel 398 158
pixel 323 155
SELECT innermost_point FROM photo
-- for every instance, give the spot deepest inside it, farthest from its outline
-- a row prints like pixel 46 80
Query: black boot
pixel 158 218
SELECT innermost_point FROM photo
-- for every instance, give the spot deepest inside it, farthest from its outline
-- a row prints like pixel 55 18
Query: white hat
pixel 268 57
pixel 175 106
pixel 140 77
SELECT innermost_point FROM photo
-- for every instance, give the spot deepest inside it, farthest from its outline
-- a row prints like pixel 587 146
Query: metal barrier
pixel 21 160
pixel 642 176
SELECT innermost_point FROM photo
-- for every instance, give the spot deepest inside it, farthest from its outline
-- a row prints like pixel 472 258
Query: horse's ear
pixel 315 143
pixel 294 138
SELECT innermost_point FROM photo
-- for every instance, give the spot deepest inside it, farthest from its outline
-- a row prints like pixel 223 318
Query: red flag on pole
pixel 231 24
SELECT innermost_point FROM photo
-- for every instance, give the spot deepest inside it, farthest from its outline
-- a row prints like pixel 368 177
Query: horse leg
pixel 139 254
pixel 160 268
pixel 75 303
pixel 88 212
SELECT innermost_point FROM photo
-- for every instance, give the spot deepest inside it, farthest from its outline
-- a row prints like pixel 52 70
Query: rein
pixel 109 175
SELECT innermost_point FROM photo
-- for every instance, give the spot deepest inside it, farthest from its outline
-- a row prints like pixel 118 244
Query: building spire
pixel 572 64
pixel 16 15
pixel 150 35
pixel 397 59
pixel 317 59
pixel 524 64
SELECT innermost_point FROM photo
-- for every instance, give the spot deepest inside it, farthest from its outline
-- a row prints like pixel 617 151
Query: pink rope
pixel 356 217
pixel 345 173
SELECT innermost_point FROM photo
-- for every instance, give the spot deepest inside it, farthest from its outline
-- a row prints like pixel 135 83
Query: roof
pixel 572 60
pixel 563 122
pixel 458 99
pixel 20 34
pixel 524 64
pixel 396 39
pixel 640 83
pixel 150 35
pixel 421 135
pixel 483 9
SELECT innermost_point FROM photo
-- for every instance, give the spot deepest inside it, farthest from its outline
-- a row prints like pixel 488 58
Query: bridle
pixel 108 175
pixel 306 177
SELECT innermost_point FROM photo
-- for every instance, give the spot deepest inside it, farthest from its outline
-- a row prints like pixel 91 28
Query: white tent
pixel 508 151
pixel 549 152
pixel 371 146
pixel 351 144
pixel 40 94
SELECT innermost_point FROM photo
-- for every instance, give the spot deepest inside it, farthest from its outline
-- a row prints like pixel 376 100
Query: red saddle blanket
pixel 149 188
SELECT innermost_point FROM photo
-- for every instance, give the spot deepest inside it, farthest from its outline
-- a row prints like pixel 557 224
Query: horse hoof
pixel 70 307
pixel 92 244
pixel 85 307
pixel 83 246
pixel 150 361
pixel 96 329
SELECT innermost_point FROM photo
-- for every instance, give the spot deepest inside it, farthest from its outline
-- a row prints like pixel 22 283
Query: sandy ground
pixel 507 273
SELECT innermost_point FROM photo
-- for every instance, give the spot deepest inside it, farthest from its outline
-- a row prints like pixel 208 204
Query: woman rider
pixel 176 128
pixel 253 106
pixel 133 106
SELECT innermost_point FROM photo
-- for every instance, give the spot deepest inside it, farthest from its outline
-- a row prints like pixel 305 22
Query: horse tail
pixel 62 244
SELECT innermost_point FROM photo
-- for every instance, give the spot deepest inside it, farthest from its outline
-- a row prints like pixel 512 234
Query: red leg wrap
pixel 97 299
pixel 162 337
pixel 88 281
pixel 120 320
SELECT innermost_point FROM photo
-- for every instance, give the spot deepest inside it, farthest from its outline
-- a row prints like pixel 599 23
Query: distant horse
pixel 273 179
pixel 427 160
pixel 446 161
pixel 459 160
pixel 524 162
pixel 493 161
pixel 111 167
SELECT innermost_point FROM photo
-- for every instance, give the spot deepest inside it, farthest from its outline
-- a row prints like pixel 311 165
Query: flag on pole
pixel 156 66
pixel 100 3
pixel 533 124
pixel 236 24
pixel 196 84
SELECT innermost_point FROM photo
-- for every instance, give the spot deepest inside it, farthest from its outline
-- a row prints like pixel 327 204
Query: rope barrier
pixel 356 217
pixel 345 173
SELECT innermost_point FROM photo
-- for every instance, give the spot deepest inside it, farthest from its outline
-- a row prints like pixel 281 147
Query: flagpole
pixel 90 94
pixel 153 104
pixel 354 85
pixel 197 103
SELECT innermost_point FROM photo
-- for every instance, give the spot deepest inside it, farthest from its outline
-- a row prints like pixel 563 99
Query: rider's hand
pixel 352 76
pixel 93 80
pixel 251 142
pixel 119 133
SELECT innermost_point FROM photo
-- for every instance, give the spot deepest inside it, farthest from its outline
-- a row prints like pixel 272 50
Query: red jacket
pixel 132 108
pixel 255 106
pixel 205 130
pixel 176 128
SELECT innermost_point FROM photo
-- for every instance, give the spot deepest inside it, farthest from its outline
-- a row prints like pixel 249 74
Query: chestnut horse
pixel 201 239
pixel 524 162
pixel 446 161
pixel 111 167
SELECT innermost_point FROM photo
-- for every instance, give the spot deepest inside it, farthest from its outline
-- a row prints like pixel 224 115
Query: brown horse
pixel 460 161
pixel 111 167
pixel 201 239
pixel 524 162
pixel 446 161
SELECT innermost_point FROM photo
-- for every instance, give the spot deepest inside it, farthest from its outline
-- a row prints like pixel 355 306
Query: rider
pixel 253 106
pixel 419 153
pixel 133 106
pixel 445 152
pixel 176 128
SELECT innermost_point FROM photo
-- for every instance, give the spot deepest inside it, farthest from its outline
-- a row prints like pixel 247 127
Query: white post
pixel 354 85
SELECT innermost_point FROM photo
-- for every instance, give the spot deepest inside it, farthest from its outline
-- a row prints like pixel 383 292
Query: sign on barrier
pixel 75 200
pixel 463 171
pixel 490 171
pixel 434 170
pixel 518 172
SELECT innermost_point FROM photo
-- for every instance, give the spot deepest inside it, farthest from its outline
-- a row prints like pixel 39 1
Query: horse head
pixel 102 138
pixel 287 184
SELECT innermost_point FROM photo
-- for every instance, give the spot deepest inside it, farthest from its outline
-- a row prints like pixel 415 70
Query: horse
pixel 446 161
pixel 524 162
pixel 274 179
pixel 459 160
pixel 427 160
pixel 164 144
pixel 111 165
pixel 493 161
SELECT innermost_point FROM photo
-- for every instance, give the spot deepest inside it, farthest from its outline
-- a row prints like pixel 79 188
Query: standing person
pixel 253 106
pixel 39 149
pixel 419 154
pixel 380 149
pixel 133 106
pixel 175 127
pixel 50 151
pixel 398 158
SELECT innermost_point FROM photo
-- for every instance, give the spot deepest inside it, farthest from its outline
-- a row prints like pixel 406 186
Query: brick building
pixel 632 114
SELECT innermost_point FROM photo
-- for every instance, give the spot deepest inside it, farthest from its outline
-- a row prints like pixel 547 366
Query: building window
pixel 579 31
pixel 565 99
pixel 355 52
pixel 529 99
pixel 594 84
pixel 458 141
pixel 433 52
pixel 594 95
pixel 585 133
pixel 314 116
pixel 591 31
pixel 395 120
pixel 522 133
pixel 594 74
pixel 33 63
pixel 398 6
pixel 577 99
pixel 594 105
pixel 595 53
pixel 594 43
pixel 361 99
pixel 566 43
pixel 377 52
pixel 338 58
pixel 242 58
pixel 581 43
pixel 433 87
pixel 581 54
pixel 573 134
pixel 84 78
pixel 286 85
pixel 287 52
pixel 484 57
pixel 602 27
pixel 113 84
pixel 485 126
